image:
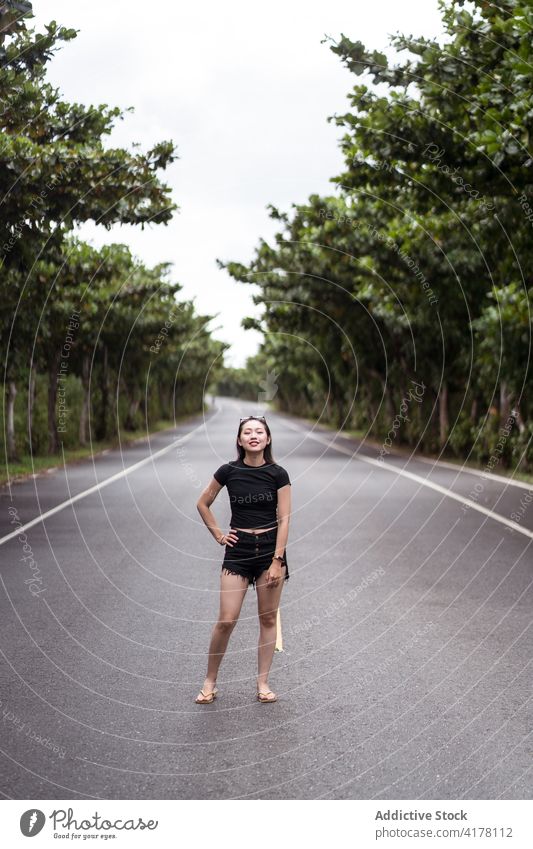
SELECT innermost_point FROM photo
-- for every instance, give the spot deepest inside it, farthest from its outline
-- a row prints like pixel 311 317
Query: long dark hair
pixel 267 453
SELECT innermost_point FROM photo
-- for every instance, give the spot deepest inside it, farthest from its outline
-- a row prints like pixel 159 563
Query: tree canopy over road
pixel 419 268
pixel 81 328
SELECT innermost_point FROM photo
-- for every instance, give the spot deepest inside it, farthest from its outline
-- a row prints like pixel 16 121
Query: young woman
pixel 260 497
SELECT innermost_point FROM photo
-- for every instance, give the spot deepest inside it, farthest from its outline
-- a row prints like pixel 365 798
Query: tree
pixel 394 278
pixel 56 173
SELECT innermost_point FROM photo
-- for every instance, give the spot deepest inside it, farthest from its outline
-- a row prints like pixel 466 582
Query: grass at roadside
pixel 28 465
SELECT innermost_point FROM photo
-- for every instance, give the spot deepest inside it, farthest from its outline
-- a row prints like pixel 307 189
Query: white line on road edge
pixel 466 469
pixel 445 463
pixel 96 487
pixel 389 467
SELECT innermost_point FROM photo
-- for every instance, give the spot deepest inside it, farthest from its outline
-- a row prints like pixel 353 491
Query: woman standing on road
pixel 260 497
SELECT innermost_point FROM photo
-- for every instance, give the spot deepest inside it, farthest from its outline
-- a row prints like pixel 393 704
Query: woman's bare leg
pixel 268 598
pixel 232 591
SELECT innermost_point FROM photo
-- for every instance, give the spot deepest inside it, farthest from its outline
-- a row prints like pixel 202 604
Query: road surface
pixel 406 667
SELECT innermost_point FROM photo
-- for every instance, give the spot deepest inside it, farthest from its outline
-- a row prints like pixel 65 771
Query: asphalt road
pixel 406 670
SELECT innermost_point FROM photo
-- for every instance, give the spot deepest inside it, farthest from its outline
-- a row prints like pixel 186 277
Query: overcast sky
pixel 244 91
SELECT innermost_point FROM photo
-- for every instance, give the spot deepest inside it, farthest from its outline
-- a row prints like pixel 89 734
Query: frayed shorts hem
pixel 246 575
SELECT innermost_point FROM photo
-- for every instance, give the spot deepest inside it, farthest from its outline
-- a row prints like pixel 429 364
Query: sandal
pixel 262 697
pixel 208 698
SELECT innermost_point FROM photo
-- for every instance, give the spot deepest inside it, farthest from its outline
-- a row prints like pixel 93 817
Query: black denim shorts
pixel 252 554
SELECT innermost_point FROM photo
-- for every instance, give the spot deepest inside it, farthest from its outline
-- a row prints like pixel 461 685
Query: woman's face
pixel 253 436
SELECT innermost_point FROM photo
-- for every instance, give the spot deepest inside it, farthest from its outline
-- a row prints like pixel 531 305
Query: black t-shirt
pixel 253 492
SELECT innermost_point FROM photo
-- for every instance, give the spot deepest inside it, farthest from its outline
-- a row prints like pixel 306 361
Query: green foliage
pixel 237 383
pixel 95 331
pixel 419 268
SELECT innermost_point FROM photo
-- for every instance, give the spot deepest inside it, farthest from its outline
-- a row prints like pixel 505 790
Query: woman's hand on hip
pixel 228 539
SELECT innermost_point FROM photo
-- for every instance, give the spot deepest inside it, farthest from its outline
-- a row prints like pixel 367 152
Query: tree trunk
pixel 31 403
pixel 53 436
pixel 85 406
pixel 143 406
pixel 10 423
pixel 102 425
pixel 473 410
pixel 519 420
pixel 505 403
pixel 520 423
pixel 114 393
pixel 370 411
pixel 444 422
pixel 389 403
pixel 163 402
pixel 133 407
pixel 308 396
pixel 341 413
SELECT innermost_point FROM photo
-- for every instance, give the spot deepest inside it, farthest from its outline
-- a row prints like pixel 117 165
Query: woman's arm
pixel 203 505
pixel 284 515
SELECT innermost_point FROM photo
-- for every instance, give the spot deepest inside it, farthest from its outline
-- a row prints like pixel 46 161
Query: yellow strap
pixel 279 639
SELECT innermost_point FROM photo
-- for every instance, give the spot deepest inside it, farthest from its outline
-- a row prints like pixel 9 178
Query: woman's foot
pixel 207 694
pixel 264 694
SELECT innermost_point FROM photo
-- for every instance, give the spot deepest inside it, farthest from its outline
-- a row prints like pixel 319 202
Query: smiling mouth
pixel 254 443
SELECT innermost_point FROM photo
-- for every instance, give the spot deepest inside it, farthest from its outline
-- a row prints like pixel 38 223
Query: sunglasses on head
pixel 247 418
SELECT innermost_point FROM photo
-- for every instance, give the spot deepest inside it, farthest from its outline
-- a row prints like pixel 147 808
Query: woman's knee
pixel 268 618
pixel 225 626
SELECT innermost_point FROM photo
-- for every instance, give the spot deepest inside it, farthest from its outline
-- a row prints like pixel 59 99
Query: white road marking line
pixel 423 481
pixel 446 464
pixel 96 487
pixel 468 470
